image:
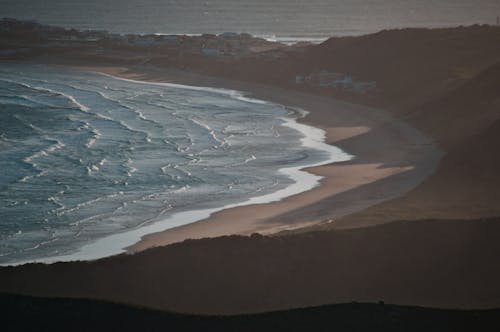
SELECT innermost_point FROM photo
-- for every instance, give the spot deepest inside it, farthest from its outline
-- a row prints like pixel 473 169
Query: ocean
pixel 90 163
pixel 86 156
pixel 284 20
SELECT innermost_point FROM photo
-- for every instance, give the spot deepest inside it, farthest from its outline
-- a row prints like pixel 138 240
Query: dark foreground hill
pixel 22 313
pixel 443 81
pixel 444 264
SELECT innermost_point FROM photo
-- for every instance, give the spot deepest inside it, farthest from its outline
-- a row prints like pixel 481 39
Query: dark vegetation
pixel 21 313
pixel 432 263
pixel 443 81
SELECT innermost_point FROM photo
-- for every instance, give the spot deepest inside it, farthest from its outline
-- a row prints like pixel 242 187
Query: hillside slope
pixel 466 185
pixel 430 263
pixel 44 314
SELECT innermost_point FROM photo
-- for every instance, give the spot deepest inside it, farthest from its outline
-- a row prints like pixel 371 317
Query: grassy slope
pixel 430 263
pixel 443 81
pixel 466 122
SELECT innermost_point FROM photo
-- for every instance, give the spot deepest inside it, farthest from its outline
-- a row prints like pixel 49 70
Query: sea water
pixel 89 162
pixel 283 20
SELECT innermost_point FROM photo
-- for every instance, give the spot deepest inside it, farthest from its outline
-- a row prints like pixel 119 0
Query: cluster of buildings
pixel 225 44
pixel 142 40
pixel 208 45
pixel 337 81
pixel 15 33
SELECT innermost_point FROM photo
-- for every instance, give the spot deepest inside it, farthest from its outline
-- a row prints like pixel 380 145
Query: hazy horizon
pixel 300 18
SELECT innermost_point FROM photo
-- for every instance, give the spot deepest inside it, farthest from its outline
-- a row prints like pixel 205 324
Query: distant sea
pixel 286 20
pixel 85 156
pixel 90 163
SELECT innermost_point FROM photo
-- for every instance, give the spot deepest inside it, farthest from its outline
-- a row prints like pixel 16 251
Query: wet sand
pixel 443 250
pixel 391 158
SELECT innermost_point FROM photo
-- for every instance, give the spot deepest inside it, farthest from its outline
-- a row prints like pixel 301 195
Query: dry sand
pixel 391 158
pixel 448 263
pixel 433 263
pixel 384 147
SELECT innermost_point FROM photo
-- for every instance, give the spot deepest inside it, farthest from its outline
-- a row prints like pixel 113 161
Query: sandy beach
pixel 432 216
pixel 391 158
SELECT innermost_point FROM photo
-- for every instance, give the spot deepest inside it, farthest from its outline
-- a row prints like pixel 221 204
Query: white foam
pixel 91 142
pixel 291 40
pixel 252 157
pixel 301 181
pixel 211 132
pixel 95 134
pixel 39 154
pixel 69 97
pixel 239 95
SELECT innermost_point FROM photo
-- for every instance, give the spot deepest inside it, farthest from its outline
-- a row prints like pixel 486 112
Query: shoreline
pixel 386 150
pixel 302 181
pixel 428 237
pixel 392 158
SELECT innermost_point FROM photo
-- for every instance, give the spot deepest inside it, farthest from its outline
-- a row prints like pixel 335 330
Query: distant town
pixel 43 36
pixel 29 39
pixel 336 81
